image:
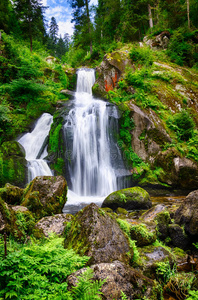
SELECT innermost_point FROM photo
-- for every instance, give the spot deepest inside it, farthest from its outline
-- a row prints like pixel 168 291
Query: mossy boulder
pixel 13 165
pixel 52 224
pixel 94 233
pixel 11 194
pixel 130 199
pixel 119 277
pixel 178 236
pixel 45 195
pixel 150 256
pixel 163 220
pixel 142 235
pixel 17 221
pixel 187 214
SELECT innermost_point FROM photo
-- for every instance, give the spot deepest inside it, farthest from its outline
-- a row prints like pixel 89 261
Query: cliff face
pixel 161 99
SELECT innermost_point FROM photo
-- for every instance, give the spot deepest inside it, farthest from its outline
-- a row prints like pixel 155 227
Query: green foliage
pixel 124 297
pixel 126 227
pixel 193 295
pixel 54 139
pixel 142 55
pixel 164 271
pixel 39 271
pixel 183 124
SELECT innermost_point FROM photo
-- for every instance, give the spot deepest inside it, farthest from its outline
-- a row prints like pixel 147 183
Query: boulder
pixel 142 235
pixel 150 256
pixel 53 224
pixel 14 164
pixel 109 72
pixel 178 237
pixel 45 195
pixel 94 233
pixel 130 199
pixel 187 214
pixel 179 172
pixel 160 41
pixel 11 194
pixel 120 277
pixel 163 220
pixel 151 214
pixel 5 216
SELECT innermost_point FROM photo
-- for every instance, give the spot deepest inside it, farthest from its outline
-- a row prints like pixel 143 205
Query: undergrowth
pixel 39 270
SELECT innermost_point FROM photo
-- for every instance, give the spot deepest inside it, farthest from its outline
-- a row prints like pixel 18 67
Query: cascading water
pixel 89 147
pixel 35 147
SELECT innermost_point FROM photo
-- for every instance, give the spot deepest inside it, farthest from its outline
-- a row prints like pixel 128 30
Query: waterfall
pixel 91 151
pixel 35 146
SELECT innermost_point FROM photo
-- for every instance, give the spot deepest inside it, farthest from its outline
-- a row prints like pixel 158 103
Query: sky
pixel 62 12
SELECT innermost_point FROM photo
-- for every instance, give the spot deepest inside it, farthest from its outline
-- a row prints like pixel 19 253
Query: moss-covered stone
pixel 11 194
pixel 13 165
pixel 178 236
pixel 163 220
pixel 45 195
pixel 121 211
pixel 142 235
pixel 130 199
pixel 97 235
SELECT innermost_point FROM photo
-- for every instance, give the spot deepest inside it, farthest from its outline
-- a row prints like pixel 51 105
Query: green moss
pixel 142 235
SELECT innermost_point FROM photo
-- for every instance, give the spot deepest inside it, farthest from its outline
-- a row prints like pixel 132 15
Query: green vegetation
pixel 39 270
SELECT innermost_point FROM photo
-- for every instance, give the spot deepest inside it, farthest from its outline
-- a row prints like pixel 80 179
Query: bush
pixel 142 55
pixel 182 124
pixel 39 271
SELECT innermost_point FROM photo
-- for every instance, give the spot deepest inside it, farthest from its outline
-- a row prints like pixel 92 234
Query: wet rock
pixel 130 199
pixel 45 195
pixel 142 235
pixel 53 224
pixel 187 214
pixel 94 233
pixel 11 194
pixel 178 236
pixel 151 214
pixel 14 167
pixel 120 277
pixel 150 256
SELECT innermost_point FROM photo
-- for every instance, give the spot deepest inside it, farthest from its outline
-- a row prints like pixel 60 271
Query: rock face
pixel 142 235
pixel 179 172
pixel 13 164
pixel 110 71
pixel 119 277
pixel 11 194
pixel 130 198
pixel 45 195
pixel 53 224
pixel 187 214
pixel 95 234
pixel 178 236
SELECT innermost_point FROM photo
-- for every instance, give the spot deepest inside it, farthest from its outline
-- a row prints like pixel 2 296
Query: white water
pixel 33 143
pixel 91 173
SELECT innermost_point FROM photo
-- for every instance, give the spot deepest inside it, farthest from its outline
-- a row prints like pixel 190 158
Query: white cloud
pixel 65 27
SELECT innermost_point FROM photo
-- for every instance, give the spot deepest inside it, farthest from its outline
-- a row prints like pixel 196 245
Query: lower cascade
pixel 93 158
pixel 35 145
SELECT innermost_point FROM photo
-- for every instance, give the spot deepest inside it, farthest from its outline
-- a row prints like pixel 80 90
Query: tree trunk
pixel 188 12
pixel 150 16
pixel 89 25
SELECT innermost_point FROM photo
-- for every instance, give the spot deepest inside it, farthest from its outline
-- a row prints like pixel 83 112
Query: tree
pixel 60 48
pixel 30 14
pixel 66 40
pixel 53 30
pixel 83 26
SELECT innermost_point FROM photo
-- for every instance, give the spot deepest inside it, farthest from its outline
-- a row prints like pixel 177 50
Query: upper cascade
pixel 85 80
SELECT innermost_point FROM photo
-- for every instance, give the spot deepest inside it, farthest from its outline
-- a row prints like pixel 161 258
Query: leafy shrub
pixel 39 271
pixel 193 295
pixel 143 55
pixel 182 124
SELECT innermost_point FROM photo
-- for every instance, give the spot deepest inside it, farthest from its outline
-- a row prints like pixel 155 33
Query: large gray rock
pixel 130 199
pixel 94 233
pixel 160 41
pixel 120 277
pixel 53 224
pixel 187 214
pixel 45 195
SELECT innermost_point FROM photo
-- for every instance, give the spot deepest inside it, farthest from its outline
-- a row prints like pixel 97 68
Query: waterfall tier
pixel 35 146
